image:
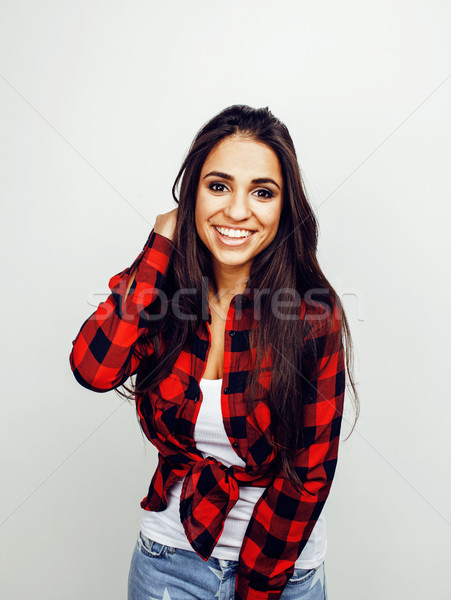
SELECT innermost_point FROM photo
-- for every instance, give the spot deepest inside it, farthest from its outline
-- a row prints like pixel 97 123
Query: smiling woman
pixel 239 373
pixel 233 209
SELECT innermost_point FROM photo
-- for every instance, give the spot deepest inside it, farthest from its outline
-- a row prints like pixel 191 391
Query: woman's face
pixel 239 202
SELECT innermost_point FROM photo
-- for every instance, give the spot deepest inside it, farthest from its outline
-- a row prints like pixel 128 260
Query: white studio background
pixel 99 102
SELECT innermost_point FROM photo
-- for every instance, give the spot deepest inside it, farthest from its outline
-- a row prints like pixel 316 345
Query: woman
pixel 235 337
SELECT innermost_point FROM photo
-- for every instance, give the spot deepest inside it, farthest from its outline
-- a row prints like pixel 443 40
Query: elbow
pixel 86 383
pixel 317 480
pixel 92 377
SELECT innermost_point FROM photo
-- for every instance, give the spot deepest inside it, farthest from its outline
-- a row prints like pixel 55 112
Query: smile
pixel 233 237
pixel 234 233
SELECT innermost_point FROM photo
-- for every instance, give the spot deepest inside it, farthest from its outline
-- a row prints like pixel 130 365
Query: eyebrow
pixel 258 181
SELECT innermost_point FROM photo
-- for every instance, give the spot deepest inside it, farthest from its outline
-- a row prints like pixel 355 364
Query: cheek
pixel 198 211
pixel 198 225
pixel 277 215
pixel 271 221
pixel 201 207
pixel 200 217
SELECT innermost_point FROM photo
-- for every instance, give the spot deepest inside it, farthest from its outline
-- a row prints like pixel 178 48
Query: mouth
pixel 233 236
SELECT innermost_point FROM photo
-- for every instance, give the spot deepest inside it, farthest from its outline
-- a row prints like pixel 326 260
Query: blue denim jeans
pixel 159 572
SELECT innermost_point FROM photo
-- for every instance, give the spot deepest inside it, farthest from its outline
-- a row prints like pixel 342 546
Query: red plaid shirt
pixel 103 357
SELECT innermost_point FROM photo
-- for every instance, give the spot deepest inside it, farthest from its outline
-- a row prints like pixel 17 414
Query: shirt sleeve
pixel 102 355
pixel 284 517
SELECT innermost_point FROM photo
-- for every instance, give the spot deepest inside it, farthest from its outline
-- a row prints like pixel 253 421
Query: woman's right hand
pixel 165 223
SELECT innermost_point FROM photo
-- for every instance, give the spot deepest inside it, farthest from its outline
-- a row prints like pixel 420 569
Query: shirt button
pixel 226 390
pixel 196 399
pixel 235 445
pixel 231 333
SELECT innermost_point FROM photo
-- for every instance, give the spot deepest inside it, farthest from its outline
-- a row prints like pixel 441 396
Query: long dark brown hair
pixel 288 262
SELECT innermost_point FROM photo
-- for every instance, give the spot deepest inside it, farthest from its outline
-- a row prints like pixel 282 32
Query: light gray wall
pixel 99 102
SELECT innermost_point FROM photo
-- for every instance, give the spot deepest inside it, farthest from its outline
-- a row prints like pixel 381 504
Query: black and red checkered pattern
pixel 103 357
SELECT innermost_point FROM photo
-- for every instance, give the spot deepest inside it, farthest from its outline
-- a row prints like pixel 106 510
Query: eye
pixel 217 187
pixel 264 193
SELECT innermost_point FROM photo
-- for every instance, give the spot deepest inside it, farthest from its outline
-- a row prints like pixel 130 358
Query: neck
pixel 228 283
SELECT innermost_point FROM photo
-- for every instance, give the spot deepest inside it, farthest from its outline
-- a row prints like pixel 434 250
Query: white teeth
pixel 234 233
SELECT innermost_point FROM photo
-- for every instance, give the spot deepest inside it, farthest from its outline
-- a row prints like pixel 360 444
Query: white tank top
pixel 211 439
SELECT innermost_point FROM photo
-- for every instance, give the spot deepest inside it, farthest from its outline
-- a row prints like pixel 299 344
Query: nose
pixel 237 208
